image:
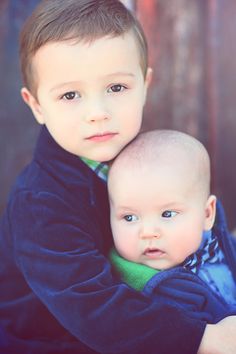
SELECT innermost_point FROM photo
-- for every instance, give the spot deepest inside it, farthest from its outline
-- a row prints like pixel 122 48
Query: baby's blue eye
pixel 168 214
pixel 116 88
pixel 71 95
pixel 130 218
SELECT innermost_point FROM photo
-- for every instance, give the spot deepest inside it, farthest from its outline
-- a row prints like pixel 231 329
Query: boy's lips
pixel 152 252
pixel 100 137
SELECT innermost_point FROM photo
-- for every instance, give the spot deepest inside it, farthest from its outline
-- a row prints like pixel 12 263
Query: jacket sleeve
pixel 191 293
pixel 55 250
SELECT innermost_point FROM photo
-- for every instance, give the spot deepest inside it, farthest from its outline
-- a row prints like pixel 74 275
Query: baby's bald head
pixel 169 150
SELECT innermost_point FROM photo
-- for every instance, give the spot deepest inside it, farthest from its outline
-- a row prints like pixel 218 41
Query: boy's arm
pixel 58 256
pixel 219 338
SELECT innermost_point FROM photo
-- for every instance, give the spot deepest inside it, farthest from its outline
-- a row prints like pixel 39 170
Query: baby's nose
pixel 150 231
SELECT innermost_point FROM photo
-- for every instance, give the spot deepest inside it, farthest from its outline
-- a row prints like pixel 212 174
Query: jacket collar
pixel 59 162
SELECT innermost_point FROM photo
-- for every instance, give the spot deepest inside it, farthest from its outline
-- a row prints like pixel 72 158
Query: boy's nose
pixel 96 117
pixel 96 112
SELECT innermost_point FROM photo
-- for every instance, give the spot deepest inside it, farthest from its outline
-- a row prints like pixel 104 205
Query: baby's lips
pixel 153 252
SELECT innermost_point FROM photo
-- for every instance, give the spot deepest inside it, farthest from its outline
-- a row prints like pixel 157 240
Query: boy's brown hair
pixel 78 20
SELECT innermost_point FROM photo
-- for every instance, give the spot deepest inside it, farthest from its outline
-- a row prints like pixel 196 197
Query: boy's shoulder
pixel 55 173
pixel 49 177
pixel 56 189
pixel 52 190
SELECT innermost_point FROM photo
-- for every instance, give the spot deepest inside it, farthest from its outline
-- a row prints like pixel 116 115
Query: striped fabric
pixel 100 168
pixel 208 252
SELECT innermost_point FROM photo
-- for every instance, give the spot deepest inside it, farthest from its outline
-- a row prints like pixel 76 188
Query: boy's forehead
pixel 108 54
pixel 113 42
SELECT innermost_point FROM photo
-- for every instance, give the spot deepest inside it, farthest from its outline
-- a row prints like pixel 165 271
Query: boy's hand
pixel 219 338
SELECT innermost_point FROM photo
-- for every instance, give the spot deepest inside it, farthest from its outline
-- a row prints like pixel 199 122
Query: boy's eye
pixel 71 95
pixel 116 88
pixel 131 218
pixel 168 214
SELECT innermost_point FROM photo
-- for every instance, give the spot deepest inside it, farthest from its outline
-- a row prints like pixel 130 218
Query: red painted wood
pixel 192 50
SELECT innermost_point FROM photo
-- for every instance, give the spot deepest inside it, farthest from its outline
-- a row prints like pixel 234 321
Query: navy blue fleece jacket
pixel 58 293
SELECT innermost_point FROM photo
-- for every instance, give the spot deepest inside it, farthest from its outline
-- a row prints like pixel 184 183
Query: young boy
pixel 159 192
pixel 84 65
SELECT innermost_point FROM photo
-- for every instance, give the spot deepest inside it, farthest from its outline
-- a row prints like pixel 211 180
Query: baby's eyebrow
pixel 172 205
pixel 126 210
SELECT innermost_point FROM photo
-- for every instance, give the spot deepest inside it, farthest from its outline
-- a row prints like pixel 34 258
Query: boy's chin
pixel 106 160
pixel 106 157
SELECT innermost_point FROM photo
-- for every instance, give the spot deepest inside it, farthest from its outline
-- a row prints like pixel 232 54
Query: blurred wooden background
pixel 192 51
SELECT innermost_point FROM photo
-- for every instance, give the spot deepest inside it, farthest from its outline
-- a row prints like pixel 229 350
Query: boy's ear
pixel 148 77
pixel 31 101
pixel 210 212
pixel 148 80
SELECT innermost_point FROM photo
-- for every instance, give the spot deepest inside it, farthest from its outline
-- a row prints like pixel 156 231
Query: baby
pixel 162 213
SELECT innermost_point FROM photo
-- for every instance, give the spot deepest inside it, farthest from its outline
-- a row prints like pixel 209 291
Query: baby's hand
pixel 219 338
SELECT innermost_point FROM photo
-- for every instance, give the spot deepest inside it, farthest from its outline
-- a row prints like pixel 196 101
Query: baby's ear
pixel 32 102
pixel 210 212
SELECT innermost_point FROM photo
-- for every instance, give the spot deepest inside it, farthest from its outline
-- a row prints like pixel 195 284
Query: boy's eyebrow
pixel 59 86
pixel 118 73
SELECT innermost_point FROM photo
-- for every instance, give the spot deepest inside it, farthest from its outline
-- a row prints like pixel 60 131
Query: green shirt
pixel 134 274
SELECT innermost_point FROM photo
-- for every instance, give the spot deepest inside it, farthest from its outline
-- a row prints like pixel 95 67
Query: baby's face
pixel 157 216
pixel 90 96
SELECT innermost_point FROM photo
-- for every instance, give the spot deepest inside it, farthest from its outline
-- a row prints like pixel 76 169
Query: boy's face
pixel 90 96
pixel 157 216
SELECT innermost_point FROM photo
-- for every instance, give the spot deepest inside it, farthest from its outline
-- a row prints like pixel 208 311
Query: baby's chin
pixel 159 264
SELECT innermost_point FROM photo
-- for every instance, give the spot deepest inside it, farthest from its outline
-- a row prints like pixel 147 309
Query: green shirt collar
pixel 100 168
